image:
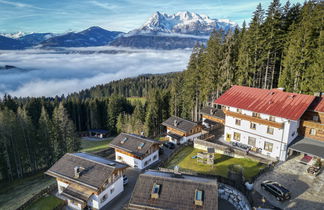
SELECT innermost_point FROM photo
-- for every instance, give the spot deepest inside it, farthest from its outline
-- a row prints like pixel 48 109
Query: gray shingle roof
pixel 175 193
pixel 96 169
pixel 308 146
pixel 132 143
pixel 214 112
pixel 182 124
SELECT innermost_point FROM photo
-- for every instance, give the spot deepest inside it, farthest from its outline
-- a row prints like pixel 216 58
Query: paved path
pixel 306 191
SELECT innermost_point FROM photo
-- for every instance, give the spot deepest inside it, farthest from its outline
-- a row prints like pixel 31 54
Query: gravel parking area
pixel 306 190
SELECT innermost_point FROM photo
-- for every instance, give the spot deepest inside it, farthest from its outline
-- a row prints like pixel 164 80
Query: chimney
pixel 77 171
pixel 318 94
pixel 142 133
pixel 175 123
pixel 281 89
pixel 211 111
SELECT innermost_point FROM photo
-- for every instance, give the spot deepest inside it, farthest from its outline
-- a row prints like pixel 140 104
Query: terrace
pixel 186 160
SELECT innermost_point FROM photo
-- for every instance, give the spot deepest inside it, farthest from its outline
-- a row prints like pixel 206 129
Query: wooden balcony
pixel 254 119
pixel 312 124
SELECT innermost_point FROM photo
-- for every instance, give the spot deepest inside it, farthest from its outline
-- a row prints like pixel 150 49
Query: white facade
pixel 278 140
pixel 184 139
pixel 137 163
pixel 96 201
pixel 99 201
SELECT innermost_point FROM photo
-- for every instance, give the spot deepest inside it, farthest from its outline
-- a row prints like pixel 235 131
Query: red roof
pixel 273 102
pixel 318 104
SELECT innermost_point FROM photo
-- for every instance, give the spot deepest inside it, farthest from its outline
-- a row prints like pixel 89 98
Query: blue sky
pixel 123 15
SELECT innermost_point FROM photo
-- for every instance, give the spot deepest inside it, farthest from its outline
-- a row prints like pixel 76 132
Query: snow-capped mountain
pixel 183 23
pixel 93 36
pixel 180 30
pixel 14 35
pixel 35 38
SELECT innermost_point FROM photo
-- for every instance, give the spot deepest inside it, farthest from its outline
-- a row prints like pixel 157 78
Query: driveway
pixel 306 191
pixel 122 200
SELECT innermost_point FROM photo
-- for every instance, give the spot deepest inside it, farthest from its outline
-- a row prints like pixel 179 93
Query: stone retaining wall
pixel 235 197
pixel 227 150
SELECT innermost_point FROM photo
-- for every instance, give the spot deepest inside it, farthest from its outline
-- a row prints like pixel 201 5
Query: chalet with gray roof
pixel 180 130
pixel 136 151
pixel 212 116
pixel 85 180
pixel 162 190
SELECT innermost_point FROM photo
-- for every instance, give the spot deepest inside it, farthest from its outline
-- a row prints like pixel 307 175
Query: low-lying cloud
pixel 52 72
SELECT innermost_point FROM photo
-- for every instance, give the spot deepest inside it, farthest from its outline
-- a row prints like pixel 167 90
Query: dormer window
pixel 155 191
pixel 141 145
pixel 124 140
pixel 199 197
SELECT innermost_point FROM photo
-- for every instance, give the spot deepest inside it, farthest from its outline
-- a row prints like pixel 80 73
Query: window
pixel 253 126
pixel 251 141
pixel 104 198
pixel 312 131
pixel 119 157
pixel 237 122
pixel 270 130
pixel 140 145
pixel 239 111
pixel 155 190
pixel 293 133
pixel 147 162
pixel 272 118
pixel 154 157
pixel 124 140
pixel 254 114
pixel 237 136
pixel 112 190
pixel 315 118
pixel 268 146
pixel 199 194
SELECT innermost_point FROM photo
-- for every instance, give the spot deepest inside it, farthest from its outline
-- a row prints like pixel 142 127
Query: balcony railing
pixel 254 119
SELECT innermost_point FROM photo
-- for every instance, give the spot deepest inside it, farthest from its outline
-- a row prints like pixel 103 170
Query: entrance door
pixel 228 137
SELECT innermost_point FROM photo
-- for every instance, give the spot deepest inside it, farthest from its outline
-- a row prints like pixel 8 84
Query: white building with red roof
pixel 265 120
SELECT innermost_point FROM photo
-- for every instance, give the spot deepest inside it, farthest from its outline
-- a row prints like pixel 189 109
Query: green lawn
pixel 94 146
pixel 48 202
pixel 18 192
pixel 222 162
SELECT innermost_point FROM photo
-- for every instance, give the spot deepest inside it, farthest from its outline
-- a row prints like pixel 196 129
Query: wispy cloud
pixel 47 73
pixel 20 5
pixel 104 5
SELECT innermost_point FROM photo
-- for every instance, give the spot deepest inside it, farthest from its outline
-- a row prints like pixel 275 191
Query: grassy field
pixel 222 162
pixel 48 202
pixel 141 99
pixel 21 190
pixel 94 146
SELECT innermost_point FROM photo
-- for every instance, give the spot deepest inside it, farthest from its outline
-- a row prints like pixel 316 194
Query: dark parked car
pixel 276 189
pixel 125 179
pixel 161 151
pixel 169 145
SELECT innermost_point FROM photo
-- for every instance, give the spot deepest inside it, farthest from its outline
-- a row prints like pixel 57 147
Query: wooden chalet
pixel 86 180
pixel 136 151
pixel 212 116
pixel 180 130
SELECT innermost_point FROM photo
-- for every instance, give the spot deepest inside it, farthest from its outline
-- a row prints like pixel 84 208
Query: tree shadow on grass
pixel 222 158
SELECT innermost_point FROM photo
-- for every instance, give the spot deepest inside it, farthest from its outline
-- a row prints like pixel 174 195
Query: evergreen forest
pixel 281 46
